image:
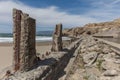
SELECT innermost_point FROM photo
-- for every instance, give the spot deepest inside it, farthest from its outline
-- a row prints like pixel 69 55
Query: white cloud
pixel 45 16
pixel 104 10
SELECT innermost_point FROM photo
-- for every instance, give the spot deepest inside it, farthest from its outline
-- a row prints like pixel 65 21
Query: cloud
pixel 102 10
pixel 47 17
pixel 105 10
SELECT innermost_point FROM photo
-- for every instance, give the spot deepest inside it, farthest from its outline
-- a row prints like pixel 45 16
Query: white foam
pixel 6 39
pixel 38 38
pixel 43 38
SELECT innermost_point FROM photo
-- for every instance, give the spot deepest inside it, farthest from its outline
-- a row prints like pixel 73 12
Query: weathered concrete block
pixel 27 47
pixel 16 37
pixel 24 41
pixel 57 38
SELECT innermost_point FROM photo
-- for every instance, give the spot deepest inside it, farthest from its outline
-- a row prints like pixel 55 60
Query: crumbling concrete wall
pixel 16 37
pixel 24 41
pixel 57 39
pixel 61 68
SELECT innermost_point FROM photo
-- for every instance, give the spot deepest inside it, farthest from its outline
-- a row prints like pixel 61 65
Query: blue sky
pixel 71 13
pixel 71 6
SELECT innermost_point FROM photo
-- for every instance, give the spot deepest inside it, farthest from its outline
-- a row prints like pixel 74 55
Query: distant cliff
pixel 94 28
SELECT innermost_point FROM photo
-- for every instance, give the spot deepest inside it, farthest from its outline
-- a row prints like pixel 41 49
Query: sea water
pixel 40 36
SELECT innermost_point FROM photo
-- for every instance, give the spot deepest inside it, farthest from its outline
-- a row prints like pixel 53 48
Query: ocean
pixel 40 36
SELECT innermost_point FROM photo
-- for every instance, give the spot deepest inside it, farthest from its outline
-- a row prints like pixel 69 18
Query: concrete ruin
pixel 57 39
pixel 24 31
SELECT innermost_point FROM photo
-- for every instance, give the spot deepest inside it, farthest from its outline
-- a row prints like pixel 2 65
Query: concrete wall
pixel 24 32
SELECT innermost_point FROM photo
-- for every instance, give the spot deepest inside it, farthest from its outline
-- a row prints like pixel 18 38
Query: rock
pixel 106 50
pixel 108 57
pixel 117 20
pixel 110 73
pixel 104 78
pixel 92 73
pixel 92 77
pixel 57 39
pixel 107 65
pixel 116 78
pixel 110 28
pixel 76 76
pixel 117 61
pixel 88 57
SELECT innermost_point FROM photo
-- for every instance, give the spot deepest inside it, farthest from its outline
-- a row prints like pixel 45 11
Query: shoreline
pixel 38 43
pixel 6 53
pixel 6 49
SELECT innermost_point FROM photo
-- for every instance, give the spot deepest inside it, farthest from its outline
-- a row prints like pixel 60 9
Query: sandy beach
pixel 6 52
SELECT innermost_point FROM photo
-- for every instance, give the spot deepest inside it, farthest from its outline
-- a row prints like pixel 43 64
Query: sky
pixel 48 13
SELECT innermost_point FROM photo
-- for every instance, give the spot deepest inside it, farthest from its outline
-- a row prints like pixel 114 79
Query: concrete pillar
pixel 26 56
pixel 16 38
pixel 57 38
pixel 27 47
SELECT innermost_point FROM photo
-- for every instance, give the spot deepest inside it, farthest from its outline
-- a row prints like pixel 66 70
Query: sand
pixel 42 47
pixel 6 53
